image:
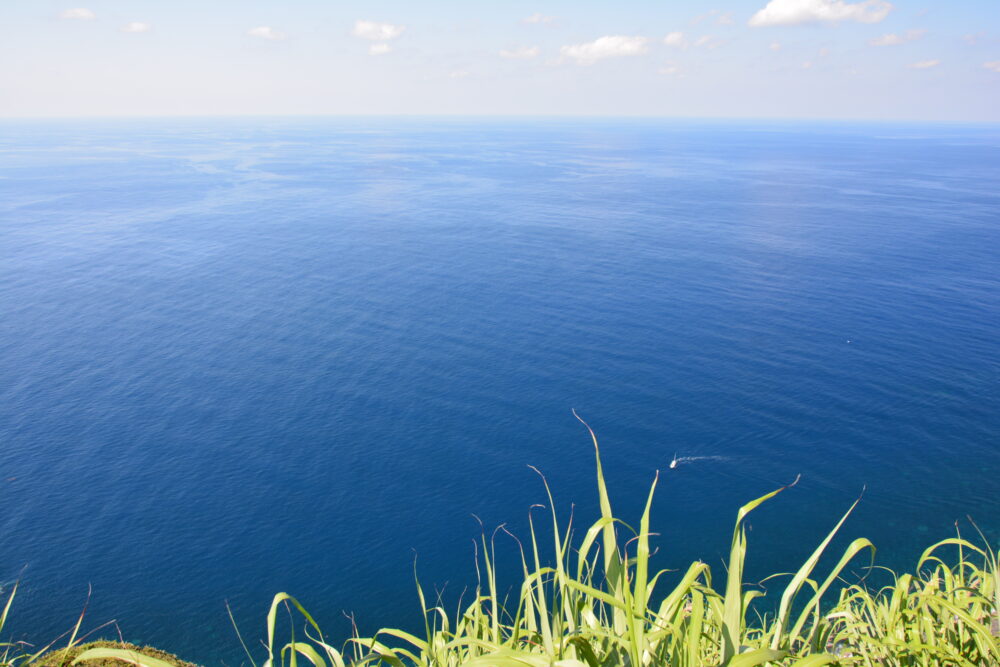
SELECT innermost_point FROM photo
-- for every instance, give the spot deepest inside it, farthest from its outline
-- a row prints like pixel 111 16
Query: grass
pixel 595 603
pixel 592 601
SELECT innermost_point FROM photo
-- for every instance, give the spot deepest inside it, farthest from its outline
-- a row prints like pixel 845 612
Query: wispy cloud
pixel 670 69
pixel 775 46
pixel 266 32
pixel 895 39
pixel 609 46
pixel 538 18
pixel 522 53
pixel 795 12
pixel 721 17
pixel 676 39
pixel 993 66
pixel 707 42
pixel 459 74
pixel 924 64
pixel 136 26
pixel 379 49
pixel 78 14
pixel 377 32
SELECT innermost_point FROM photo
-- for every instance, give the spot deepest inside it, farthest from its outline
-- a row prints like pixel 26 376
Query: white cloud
pixel 824 52
pixel 379 49
pixel 676 39
pixel 725 19
pixel 925 64
pixel 609 46
pixel 807 64
pixel 79 14
pixel 670 69
pixel 893 39
pixel 993 66
pixel 775 46
pixel 377 32
pixel 704 40
pixel 538 18
pixel 459 74
pixel 266 32
pixel 522 53
pixel 136 26
pixel 794 12
pixel 973 38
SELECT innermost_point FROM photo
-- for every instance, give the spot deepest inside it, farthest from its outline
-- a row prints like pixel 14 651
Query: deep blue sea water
pixel 239 356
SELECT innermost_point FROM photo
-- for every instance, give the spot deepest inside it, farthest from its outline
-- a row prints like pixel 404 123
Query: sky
pixel 811 59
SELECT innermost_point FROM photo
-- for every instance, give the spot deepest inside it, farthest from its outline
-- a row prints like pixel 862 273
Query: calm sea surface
pixel 245 356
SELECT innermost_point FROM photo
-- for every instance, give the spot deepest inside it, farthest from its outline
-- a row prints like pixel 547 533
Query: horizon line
pixel 484 116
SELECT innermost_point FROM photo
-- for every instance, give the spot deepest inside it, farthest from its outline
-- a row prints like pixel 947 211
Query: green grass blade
pixel 732 620
pixel 795 585
pixel 131 657
pixel 755 657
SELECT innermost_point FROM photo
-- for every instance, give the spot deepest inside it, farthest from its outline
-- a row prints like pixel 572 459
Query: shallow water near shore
pixel 240 356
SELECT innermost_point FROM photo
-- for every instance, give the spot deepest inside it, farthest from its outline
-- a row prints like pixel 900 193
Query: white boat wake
pixel 681 460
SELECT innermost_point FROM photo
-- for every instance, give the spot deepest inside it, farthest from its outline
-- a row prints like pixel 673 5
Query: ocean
pixel 249 355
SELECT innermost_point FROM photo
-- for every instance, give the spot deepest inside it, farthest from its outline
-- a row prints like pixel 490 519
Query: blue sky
pixel 870 59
